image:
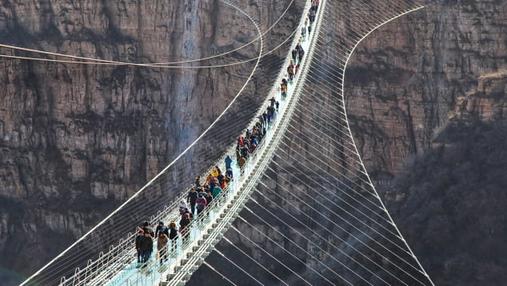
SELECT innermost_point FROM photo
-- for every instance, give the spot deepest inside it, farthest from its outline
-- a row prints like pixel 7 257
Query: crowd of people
pixel 201 194
pixel 215 185
pixel 311 17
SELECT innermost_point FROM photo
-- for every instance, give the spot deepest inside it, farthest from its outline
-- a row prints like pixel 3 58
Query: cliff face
pixel 426 99
pixel 76 140
pixel 404 79
pixel 450 204
pixel 450 200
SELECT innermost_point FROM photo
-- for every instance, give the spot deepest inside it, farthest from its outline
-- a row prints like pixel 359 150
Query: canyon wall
pixel 405 78
pixel 426 100
pixel 77 140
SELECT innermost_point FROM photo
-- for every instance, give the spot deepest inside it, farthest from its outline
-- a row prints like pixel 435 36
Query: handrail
pixel 196 222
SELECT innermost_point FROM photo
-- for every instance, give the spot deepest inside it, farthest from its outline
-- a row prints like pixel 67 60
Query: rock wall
pixel 406 77
pixel 450 201
pixel 426 99
pixel 76 140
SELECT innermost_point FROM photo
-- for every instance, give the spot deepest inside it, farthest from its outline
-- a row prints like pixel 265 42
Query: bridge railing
pixel 119 255
pixel 150 268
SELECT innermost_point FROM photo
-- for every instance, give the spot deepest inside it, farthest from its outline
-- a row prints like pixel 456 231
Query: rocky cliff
pixel 404 79
pixel 426 99
pixel 76 140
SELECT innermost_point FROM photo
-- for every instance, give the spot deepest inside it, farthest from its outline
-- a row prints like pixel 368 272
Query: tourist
pixel 209 197
pixel 146 247
pixel 290 71
pixel 184 222
pixel 315 5
pixel 215 171
pixel 215 192
pixel 197 181
pixel 139 239
pixel 173 234
pixel 148 230
pixel 162 246
pixel 228 166
pixel 283 87
pixel 311 16
pixel 301 54
pixel 272 101
pixel 191 199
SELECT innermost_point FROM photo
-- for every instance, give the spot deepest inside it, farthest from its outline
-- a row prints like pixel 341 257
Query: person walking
pixel 241 140
pixel 215 171
pixel 228 166
pixel 209 178
pixel 184 231
pixel 315 5
pixel 173 234
pixel 311 16
pixel 272 101
pixel 146 247
pixel 197 181
pixel 301 53
pixel 147 230
pixel 225 182
pixel 270 114
pixel 294 55
pixel 162 247
pixel 220 179
pixel 283 87
pixel 201 203
pixel 139 239
pixel 290 71
pixel 212 183
pixel 216 191
pixel 191 199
